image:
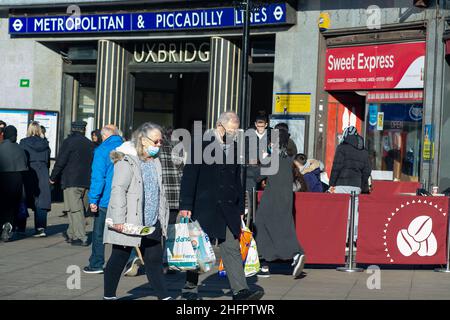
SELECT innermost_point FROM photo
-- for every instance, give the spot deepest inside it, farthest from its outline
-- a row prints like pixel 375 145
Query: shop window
pixel 393 138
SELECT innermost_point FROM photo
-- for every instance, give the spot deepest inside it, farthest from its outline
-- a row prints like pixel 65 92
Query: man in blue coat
pixel 99 194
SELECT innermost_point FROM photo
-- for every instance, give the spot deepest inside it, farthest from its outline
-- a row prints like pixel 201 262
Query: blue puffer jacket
pixel 102 172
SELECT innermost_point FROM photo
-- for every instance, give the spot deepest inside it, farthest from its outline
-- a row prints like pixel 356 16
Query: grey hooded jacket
pixel 127 196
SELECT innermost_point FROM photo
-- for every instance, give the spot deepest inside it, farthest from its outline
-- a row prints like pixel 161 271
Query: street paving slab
pixel 47 269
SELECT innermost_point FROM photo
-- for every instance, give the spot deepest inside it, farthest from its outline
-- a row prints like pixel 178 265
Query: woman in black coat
pixel 275 229
pixel 36 180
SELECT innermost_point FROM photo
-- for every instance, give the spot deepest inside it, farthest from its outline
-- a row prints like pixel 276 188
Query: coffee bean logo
pixel 418 238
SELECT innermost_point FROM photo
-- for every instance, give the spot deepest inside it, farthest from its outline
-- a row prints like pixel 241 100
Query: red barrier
pixel 321 223
pixel 402 230
pixel 389 188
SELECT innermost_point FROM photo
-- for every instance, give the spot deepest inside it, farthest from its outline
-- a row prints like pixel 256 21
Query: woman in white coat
pixel 137 197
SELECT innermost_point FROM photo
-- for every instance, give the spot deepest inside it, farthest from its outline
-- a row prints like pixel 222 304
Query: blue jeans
pixel 40 218
pixel 97 259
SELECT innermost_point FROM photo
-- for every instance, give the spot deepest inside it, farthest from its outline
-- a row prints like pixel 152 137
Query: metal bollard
pixel 350 264
pixel 255 204
pixel 249 208
pixel 447 269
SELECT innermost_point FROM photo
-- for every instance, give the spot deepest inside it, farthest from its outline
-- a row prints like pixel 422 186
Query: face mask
pixel 229 138
pixel 152 151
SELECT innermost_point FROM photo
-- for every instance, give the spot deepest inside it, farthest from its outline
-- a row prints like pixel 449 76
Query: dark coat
pixel 275 233
pixel 313 181
pixel 214 194
pixel 36 180
pixel 351 166
pixel 12 157
pixel 311 173
pixel 74 161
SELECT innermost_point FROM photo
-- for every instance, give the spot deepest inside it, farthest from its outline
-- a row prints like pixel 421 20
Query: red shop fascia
pixel 358 77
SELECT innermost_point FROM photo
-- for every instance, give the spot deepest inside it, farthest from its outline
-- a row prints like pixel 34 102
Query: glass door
pixel 393 138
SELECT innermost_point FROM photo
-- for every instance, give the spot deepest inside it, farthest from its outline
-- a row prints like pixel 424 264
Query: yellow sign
pixel 428 151
pixel 380 121
pixel 324 21
pixel 292 102
pixel 428 144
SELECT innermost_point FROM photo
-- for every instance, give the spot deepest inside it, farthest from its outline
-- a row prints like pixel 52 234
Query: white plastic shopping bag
pixel 202 247
pixel 252 265
pixel 180 252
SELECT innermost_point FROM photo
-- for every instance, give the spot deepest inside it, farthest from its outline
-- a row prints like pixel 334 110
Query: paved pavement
pixel 36 268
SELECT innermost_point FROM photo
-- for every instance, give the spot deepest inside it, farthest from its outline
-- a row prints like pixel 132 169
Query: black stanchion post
pixel 254 204
pixel 350 264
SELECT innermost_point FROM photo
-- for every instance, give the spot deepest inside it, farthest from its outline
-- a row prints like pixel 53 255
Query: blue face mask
pixel 152 151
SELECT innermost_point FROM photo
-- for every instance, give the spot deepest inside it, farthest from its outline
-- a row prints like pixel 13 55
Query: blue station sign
pixel 214 18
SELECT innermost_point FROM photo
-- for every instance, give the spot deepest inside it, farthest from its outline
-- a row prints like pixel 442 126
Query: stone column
pixel 224 79
pixel 111 86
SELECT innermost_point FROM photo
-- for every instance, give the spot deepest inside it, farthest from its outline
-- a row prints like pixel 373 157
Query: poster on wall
pixel 297 128
pixel 49 120
pixel 18 119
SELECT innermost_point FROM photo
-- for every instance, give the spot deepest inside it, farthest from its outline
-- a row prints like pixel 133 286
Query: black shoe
pixel 298 264
pixel 248 295
pixel 78 242
pixel 90 270
pixel 189 296
pixel 40 233
pixel 264 272
pixel 66 237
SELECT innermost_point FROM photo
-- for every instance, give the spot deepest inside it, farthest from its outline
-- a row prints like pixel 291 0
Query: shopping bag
pixel 202 247
pixel 252 265
pixel 248 246
pixel 180 252
pixel 245 240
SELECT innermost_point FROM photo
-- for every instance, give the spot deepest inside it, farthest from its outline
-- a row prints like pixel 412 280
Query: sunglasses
pixel 159 141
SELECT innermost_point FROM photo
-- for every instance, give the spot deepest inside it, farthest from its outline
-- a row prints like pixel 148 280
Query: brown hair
pixel 298 178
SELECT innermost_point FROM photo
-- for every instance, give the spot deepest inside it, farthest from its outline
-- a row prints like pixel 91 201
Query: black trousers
pixel 11 186
pixel 152 253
